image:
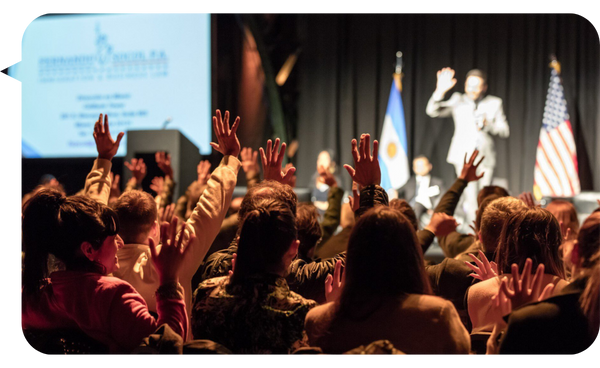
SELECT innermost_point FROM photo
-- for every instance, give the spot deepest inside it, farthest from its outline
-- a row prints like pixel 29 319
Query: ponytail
pixel 40 224
pixel 58 225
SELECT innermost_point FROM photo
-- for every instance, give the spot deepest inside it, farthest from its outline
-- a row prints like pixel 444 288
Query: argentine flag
pixel 393 158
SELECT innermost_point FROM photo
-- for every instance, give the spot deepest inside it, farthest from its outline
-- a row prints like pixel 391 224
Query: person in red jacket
pixel 81 233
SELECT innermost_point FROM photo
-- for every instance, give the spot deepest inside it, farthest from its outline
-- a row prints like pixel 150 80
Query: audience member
pixel 568 322
pixel 317 186
pixel 491 216
pixel 82 233
pixel 272 275
pixel 384 290
pixel 331 215
pixel 566 214
pixel 254 311
pixel 451 278
pixel 422 191
pixel 309 230
pixel 529 233
pixel 139 214
pixel 305 278
pixel 138 219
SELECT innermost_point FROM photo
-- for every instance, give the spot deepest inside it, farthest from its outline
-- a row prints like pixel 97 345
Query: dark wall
pixel 346 71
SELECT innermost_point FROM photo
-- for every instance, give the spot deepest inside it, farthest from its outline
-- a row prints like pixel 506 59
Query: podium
pixel 185 156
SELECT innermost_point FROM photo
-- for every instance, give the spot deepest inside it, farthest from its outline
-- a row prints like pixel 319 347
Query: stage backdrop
pixel 346 70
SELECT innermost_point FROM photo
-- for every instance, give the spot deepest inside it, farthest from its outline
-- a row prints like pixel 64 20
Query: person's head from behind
pixel 268 240
pixel 590 297
pixel 77 230
pixel 578 254
pixel 491 216
pixel 422 166
pixel 565 213
pixel 138 217
pixel 309 230
pixel 405 209
pixel 530 233
pixel 475 84
pixel 491 190
pixel 384 259
pixel 267 189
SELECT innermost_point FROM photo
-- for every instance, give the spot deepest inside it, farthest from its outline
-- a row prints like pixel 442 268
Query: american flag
pixel 556 172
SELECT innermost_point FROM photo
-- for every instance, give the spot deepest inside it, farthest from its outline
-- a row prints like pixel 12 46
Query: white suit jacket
pixel 467 137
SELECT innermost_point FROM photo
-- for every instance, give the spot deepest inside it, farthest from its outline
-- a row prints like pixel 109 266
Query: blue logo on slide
pixel 103 48
pixel 108 63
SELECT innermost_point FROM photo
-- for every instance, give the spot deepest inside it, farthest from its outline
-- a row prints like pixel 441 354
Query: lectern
pixel 184 155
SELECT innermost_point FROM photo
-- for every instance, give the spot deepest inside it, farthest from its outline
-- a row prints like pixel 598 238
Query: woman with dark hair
pixel 566 323
pixel 254 311
pixel 81 233
pixel 530 233
pixel 386 295
pixel 566 214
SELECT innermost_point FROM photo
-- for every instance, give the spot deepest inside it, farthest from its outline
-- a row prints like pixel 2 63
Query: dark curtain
pixel 346 72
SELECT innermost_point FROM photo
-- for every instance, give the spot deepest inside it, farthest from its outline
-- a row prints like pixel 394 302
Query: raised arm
pixel 436 108
pixel 138 173
pixel 98 181
pixel 367 174
pixel 331 218
pixel 163 160
pixel 450 199
pixel 210 210
pixel 250 166
pixel 272 160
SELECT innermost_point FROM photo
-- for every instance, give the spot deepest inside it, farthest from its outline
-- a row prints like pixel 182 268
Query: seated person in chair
pixel 422 191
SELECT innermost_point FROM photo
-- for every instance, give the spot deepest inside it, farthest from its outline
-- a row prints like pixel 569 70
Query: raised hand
pixel 165 214
pixel 445 80
pixel 354 199
pixel 288 167
pixel 249 160
pixel 441 224
pixel 172 253
pixel 203 171
pixel 115 191
pixel 524 290
pixel 105 145
pixel 527 198
pixel 228 143
pixel 272 160
pixel 158 184
pixel 469 170
pixel 335 283
pixel 367 170
pixel 484 269
pixel 325 176
pixel 164 163
pixel 138 169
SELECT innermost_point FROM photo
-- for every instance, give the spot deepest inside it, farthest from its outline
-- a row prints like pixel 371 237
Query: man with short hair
pixel 422 191
pixel 476 118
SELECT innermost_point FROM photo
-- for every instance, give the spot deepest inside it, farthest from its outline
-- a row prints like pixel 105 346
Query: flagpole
pixel 554 63
pixel 398 71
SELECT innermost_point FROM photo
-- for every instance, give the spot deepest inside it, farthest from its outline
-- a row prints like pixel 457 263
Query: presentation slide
pixel 145 71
